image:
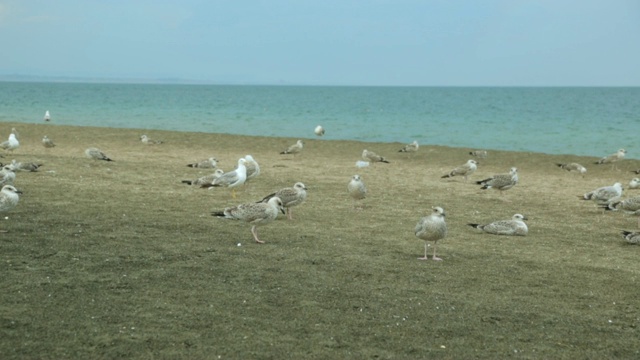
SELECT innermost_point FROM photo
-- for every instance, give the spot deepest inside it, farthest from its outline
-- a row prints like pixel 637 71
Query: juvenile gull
pixel 632 237
pixel 48 143
pixel 207 179
pixel 25 166
pixel 253 169
pixel 231 179
pixel 210 163
pixel 256 214
pixel 8 199
pixel 294 149
pixel 7 175
pixel 432 228
pixel 148 141
pixel 356 188
pixel 479 153
pixel 604 194
pixel 500 182
pixel 373 157
pixel 514 226
pixel 634 183
pixel 47 116
pixel 410 148
pixel 572 167
pixel 291 196
pixel 610 159
pixel 464 170
pixel 96 154
pixel 10 144
pixel 636 171
pixel 319 130
pixel 629 206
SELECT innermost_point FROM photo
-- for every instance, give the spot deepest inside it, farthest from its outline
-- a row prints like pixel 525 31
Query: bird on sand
pixel 210 163
pixel 207 179
pixel 294 149
pixel 231 179
pixel 357 190
pixel 632 237
pixel 500 182
pixel 48 143
pixel 373 157
pixel 572 167
pixel 465 170
pixel 514 226
pixel 410 148
pixel 11 144
pixel 256 214
pixel 432 228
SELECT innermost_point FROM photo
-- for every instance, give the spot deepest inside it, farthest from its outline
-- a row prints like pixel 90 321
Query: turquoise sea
pixel 555 120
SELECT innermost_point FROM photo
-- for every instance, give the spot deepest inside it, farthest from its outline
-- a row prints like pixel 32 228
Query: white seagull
pixel 432 228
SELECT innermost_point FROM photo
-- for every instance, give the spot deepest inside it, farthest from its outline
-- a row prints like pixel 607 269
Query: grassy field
pixel 121 260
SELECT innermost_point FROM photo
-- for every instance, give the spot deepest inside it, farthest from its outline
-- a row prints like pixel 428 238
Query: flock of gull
pixel 431 228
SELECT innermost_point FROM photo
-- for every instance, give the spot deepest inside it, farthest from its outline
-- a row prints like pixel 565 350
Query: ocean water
pixel 576 120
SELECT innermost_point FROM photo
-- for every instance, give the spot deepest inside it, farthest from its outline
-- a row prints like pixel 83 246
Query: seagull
pixel 356 188
pixel 604 194
pixel 207 179
pixel 636 171
pixel 610 159
pixel 10 144
pixel 148 141
pixel 479 153
pixel 432 228
pixel 500 182
pixel 291 196
pixel 253 169
pixel 294 149
pixel 7 175
pixel 573 167
pixel 410 148
pixel 373 157
pixel 48 143
pixel 629 206
pixel 231 179
pixel 47 116
pixel 25 166
pixel 514 226
pixel 319 130
pixel 632 237
pixel 255 214
pixel 8 199
pixel 96 154
pixel 464 170
pixel 15 132
pixel 210 163
pixel 634 183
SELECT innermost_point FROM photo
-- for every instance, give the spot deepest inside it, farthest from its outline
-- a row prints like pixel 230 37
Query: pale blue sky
pixel 328 42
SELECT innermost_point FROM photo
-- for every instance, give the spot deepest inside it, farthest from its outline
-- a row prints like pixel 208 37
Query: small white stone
pixel 239 244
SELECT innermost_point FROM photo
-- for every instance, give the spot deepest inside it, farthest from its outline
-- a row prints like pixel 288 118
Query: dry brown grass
pixel 106 260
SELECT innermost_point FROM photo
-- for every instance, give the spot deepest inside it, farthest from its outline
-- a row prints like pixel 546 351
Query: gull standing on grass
pixel 410 148
pixel 207 179
pixel 48 143
pixel 8 199
pixel 96 154
pixel 632 237
pixel 7 175
pixel 464 170
pixel 291 196
pixel 11 144
pixel 573 167
pixel 634 183
pixel 604 194
pixel 629 206
pixel 231 179
pixel 432 228
pixel 294 149
pixel 514 226
pixel 500 182
pixel 613 158
pixel 256 214
pixel 373 157
pixel 210 163
pixel 253 169
pixel 357 190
